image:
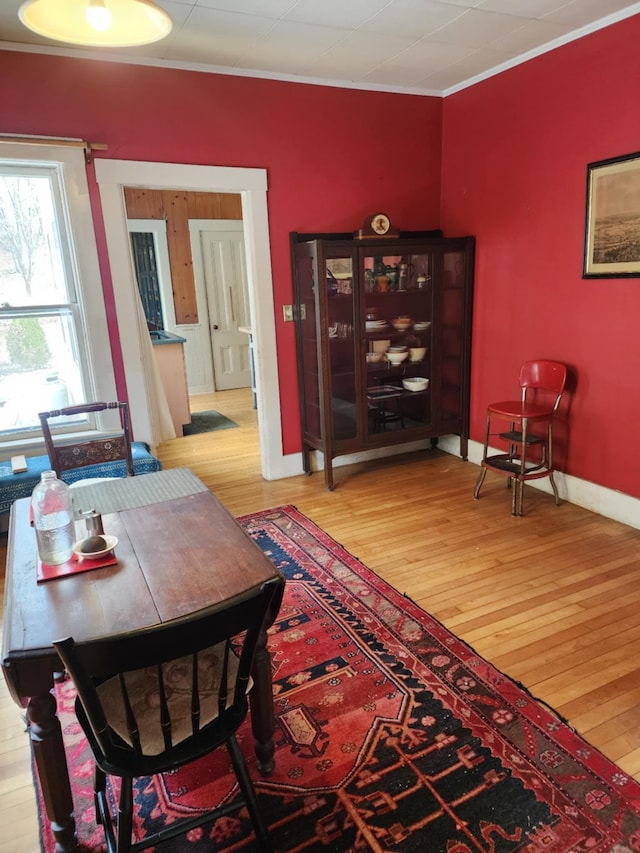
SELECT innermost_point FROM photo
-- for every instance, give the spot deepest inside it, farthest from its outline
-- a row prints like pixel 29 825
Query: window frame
pixel 84 284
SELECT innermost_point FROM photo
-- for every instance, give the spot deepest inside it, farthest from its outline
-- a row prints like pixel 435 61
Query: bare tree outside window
pixel 21 231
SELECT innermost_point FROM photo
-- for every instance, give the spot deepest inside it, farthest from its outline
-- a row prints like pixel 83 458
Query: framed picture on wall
pixel 612 230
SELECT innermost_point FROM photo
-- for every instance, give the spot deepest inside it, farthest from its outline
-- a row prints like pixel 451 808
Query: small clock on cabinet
pixel 376 225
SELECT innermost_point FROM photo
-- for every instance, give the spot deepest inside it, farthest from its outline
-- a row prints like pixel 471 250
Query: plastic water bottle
pixel 53 519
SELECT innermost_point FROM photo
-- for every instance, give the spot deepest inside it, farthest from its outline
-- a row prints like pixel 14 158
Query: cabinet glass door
pixel 341 331
pixel 398 317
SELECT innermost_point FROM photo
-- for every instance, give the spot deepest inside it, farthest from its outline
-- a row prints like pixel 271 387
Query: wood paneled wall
pixel 177 207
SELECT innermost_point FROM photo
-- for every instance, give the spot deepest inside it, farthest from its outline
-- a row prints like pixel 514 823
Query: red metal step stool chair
pixel 529 439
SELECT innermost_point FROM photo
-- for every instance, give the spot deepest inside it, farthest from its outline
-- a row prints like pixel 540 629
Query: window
pixel 54 348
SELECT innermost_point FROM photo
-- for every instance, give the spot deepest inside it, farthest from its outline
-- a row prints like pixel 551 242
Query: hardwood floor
pixel 552 598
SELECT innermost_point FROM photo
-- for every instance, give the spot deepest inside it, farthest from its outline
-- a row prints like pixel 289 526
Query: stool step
pixel 515 437
pixel 502 463
pixel 511 467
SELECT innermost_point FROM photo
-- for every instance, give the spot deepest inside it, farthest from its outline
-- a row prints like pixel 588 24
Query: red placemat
pixel 73 566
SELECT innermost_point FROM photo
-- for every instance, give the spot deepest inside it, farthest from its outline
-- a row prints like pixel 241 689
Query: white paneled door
pixel 219 268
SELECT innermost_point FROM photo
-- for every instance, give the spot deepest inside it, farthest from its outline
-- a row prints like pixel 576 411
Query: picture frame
pixel 612 227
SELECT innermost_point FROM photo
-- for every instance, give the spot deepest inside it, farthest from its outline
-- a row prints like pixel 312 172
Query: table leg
pixel 51 763
pixel 261 701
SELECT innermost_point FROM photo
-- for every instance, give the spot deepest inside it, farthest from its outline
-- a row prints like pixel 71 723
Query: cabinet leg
pixel 464 447
pixel 328 474
pixel 306 460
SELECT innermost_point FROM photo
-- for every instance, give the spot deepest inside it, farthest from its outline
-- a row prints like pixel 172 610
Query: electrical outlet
pixel 287 311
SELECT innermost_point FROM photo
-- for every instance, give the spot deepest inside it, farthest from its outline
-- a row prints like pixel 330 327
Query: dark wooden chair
pixel 198 671
pixel 66 454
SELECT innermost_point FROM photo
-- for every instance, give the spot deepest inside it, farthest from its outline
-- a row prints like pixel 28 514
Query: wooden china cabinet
pixel 373 313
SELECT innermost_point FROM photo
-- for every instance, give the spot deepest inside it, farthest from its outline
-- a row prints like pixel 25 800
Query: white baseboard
pixel 291 466
pixel 591 496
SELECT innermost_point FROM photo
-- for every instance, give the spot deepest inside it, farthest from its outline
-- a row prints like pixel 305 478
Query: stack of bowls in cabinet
pixel 396 355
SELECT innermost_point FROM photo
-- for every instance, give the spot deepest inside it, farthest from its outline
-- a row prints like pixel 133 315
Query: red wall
pixel 514 155
pixel 332 155
pixel 515 151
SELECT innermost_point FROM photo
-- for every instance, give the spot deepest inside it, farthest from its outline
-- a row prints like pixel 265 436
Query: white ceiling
pixel 429 47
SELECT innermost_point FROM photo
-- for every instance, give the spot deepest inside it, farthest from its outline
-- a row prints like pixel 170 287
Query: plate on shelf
pixel 372 325
pixel 379 392
pixel 422 325
pixel 111 541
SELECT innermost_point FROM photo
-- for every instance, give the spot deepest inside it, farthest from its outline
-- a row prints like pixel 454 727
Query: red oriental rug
pixel 391 735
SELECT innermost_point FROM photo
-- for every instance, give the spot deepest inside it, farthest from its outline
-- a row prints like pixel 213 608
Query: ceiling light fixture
pixel 97 23
pixel 98 16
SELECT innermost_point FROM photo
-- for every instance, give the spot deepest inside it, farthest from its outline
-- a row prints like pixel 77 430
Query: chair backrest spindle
pixel 195 695
pixel 132 726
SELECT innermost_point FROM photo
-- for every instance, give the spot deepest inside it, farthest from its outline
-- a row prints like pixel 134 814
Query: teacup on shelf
pixel 417 353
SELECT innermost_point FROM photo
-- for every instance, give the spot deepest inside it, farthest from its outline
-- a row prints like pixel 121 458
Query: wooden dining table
pixel 178 551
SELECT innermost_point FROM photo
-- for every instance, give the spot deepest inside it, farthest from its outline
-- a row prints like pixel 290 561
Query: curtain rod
pixel 89 147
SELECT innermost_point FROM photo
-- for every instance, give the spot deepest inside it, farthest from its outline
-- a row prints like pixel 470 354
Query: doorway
pixel 217 347
pixel 112 176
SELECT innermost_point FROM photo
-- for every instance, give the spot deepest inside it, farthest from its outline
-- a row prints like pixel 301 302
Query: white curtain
pixel 161 421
